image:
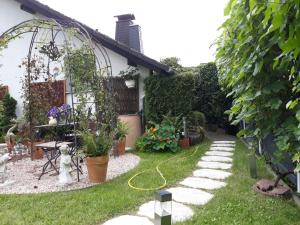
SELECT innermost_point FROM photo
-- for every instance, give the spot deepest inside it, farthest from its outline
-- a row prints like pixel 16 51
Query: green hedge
pixel 172 94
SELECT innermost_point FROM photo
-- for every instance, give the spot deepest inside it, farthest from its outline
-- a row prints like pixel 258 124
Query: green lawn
pixel 238 204
pixel 234 204
pixel 99 203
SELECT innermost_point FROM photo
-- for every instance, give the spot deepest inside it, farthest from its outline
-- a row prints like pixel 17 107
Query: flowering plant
pixel 54 112
pixel 161 137
pixel 65 109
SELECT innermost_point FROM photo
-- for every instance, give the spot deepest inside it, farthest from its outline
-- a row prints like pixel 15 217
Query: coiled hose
pixel 159 172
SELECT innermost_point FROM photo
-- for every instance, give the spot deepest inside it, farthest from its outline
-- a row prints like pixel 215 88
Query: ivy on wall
pixel 168 94
pixel 258 59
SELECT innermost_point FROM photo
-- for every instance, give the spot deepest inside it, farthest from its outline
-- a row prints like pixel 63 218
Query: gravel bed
pixel 25 175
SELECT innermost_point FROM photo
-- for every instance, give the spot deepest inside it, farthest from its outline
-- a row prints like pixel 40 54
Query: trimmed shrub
pixel 165 95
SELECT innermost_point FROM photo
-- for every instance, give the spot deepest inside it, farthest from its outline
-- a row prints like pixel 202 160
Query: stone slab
pixel 216 159
pixel 226 149
pixel 223 145
pixel 224 142
pixel 219 153
pixel 180 212
pixel 214 165
pixel 212 174
pixel 190 195
pixel 130 220
pixel 204 183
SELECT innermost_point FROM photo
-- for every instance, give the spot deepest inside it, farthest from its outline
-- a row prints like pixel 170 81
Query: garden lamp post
pixel 252 159
pixel 298 181
pixel 163 208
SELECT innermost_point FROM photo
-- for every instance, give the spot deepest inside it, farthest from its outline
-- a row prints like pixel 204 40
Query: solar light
pixel 163 208
pixel 298 181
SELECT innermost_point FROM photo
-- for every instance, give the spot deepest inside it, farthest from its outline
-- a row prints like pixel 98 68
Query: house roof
pixel 132 55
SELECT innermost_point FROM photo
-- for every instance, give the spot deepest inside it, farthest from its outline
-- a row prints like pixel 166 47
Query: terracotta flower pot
pixel 37 153
pixel 184 142
pixel 97 168
pixel 121 147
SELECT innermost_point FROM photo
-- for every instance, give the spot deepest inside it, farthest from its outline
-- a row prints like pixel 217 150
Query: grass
pixel 99 203
pixel 238 204
pixel 234 204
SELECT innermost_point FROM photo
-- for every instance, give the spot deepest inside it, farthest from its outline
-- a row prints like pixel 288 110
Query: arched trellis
pixel 45 34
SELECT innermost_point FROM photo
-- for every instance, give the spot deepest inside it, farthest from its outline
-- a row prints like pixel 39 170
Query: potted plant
pixel 121 131
pixel 96 148
pixel 130 76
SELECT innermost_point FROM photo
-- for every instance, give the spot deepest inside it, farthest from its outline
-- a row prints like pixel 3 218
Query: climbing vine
pixel 259 62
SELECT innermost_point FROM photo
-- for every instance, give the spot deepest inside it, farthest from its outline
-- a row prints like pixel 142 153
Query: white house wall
pixel 11 74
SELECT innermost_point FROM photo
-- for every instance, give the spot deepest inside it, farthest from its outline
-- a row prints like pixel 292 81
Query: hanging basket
pixel 130 83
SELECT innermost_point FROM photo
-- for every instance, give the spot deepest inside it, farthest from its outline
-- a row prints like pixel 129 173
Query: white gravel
pixel 190 195
pixel 180 212
pixel 25 175
pixel 203 183
pixel 214 165
pixel 219 153
pixel 212 174
pixel 129 220
pixel 216 159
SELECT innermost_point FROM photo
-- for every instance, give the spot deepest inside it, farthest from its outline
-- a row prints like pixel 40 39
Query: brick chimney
pixel 129 33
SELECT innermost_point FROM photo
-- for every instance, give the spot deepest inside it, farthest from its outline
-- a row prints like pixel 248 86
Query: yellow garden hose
pixel 159 172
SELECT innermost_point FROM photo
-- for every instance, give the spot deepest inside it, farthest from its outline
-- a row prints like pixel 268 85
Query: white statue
pixel 52 121
pixel 3 160
pixel 64 177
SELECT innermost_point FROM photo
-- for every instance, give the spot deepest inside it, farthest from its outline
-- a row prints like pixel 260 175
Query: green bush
pixel 172 94
pixel 159 138
pixel 209 98
pixel 196 119
pixel 8 110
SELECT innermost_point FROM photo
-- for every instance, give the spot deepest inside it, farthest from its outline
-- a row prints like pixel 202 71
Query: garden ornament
pixel 10 137
pixel 52 121
pixel 64 177
pixel 3 160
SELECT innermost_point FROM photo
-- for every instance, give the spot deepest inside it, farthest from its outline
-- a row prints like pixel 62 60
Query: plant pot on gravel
pixel 120 136
pixel 96 148
pixel 97 168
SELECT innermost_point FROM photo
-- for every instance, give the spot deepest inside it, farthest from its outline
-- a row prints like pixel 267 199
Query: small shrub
pixel 160 138
pixel 8 110
pixel 196 119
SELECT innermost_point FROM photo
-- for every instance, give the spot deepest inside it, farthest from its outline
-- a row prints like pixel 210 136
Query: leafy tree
pixel 8 110
pixel 173 62
pixel 258 60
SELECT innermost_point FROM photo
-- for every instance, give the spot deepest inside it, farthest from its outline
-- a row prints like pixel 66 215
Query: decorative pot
pixel 195 138
pixel 97 168
pixel 130 83
pixel 184 142
pixel 121 147
pixel 36 153
pixel 52 121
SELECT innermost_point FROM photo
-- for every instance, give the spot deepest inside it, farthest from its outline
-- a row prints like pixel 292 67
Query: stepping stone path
pixel 180 212
pixel 194 190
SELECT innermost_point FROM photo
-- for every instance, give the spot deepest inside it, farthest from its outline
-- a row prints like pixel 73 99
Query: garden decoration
pixel 163 208
pixel 3 160
pixel 52 49
pixel 130 76
pixel 10 137
pixel 64 177
pixel 184 141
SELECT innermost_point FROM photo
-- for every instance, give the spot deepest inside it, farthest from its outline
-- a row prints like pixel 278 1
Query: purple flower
pixel 65 108
pixel 54 112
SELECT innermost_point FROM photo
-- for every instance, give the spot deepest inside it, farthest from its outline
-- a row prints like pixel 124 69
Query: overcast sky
pixel 181 28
